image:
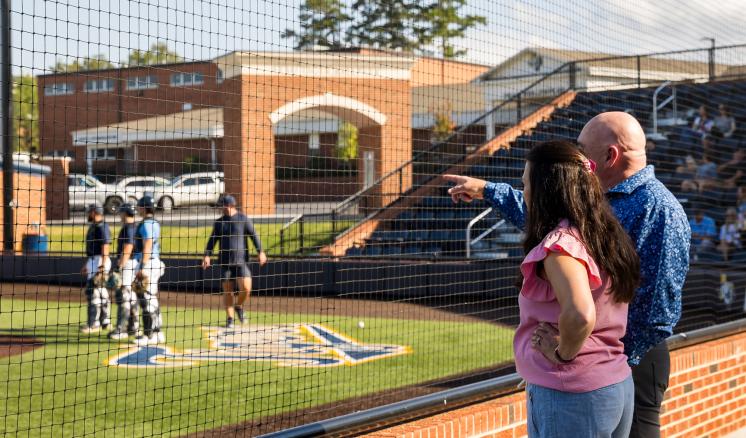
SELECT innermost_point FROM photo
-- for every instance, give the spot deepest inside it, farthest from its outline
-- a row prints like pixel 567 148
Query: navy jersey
pixel 232 232
pixel 126 236
pixel 97 236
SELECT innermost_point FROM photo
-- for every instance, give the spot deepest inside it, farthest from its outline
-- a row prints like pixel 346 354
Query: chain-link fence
pixel 264 179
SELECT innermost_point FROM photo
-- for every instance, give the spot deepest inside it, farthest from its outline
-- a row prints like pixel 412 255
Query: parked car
pixel 203 188
pixel 87 189
pixel 134 187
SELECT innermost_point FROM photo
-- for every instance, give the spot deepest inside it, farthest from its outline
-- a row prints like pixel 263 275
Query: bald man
pixel 654 219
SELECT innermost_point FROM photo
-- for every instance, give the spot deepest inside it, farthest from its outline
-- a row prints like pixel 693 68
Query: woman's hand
pixel 546 339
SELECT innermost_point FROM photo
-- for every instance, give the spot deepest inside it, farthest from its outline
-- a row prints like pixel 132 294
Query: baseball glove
pixel 139 285
pixel 114 281
pixel 99 279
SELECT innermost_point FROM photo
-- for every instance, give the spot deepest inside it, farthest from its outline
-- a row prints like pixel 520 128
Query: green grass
pixel 64 388
pixel 192 240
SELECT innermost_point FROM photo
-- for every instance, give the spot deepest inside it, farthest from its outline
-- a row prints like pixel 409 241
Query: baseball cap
pixel 226 200
pixel 146 202
pixel 95 207
pixel 128 209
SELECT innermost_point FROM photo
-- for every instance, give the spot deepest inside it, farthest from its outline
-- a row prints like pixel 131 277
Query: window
pixel 314 145
pixel 190 182
pixel 206 180
pixel 186 79
pixel 58 89
pixel 142 82
pixel 89 183
pixel 73 181
pixel 219 77
pixel 99 85
pixel 103 154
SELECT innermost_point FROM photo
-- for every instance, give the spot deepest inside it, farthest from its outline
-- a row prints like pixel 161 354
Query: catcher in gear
pixel 121 279
pixel 148 271
pixel 95 270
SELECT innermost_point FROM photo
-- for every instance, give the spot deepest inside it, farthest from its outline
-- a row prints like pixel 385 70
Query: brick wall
pixel 60 115
pixel 29 195
pixel 706 397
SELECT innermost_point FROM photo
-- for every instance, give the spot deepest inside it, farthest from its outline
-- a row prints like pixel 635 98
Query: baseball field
pixel 293 354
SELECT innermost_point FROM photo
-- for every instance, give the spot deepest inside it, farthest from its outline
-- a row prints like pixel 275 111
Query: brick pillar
pixel 248 151
pixel 57 195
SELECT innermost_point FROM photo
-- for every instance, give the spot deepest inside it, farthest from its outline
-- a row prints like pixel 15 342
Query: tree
pixel 25 114
pixel 388 24
pixel 443 124
pixel 321 24
pixel 96 62
pixel 347 144
pixel 158 53
pixel 446 23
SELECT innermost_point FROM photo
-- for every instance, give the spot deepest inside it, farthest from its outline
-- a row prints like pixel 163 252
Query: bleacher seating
pixel 436 226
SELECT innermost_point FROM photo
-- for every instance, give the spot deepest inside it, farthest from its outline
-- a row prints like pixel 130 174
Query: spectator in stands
pixel 733 173
pixel 702 123
pixel 730 234
pixel 741 207
pixel 704 231
pixel 724 122
pixel 654 219
pixel 704 175
pixel 655 155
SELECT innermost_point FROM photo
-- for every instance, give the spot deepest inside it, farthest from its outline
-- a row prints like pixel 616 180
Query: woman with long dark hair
pixel 580 272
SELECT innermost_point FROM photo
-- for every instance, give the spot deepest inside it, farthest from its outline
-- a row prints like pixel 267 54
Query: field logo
pixel 298 345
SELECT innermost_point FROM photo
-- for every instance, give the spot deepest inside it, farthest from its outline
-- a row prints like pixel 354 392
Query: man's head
pixel 146 206
pixel 699 214
pixel 95 213
pixel 127 212
pixel 228 204
pixel 616 142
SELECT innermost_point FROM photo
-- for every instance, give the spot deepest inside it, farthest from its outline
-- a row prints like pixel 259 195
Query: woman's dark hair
pixel 563 187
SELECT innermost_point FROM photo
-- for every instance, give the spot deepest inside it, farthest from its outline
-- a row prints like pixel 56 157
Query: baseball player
pixel 148 270
pixel 120 280
pixel 95 269
pixel 231 230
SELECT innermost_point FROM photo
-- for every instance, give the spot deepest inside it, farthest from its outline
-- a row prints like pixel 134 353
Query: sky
pixel 45 31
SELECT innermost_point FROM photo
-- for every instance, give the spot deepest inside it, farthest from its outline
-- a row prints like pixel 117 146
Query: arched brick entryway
pixel 371 91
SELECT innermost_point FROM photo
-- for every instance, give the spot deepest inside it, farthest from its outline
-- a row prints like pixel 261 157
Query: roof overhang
pixel 316 64
pixel 187 125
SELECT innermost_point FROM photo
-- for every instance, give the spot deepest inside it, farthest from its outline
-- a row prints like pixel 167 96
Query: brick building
pixel 166 119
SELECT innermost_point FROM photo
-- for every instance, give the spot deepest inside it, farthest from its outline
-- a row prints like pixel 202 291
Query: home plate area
pixel 290 345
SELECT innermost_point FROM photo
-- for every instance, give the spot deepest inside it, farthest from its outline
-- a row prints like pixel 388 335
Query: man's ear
pixel 612 155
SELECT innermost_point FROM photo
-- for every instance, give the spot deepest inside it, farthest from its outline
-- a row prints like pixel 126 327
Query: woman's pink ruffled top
pixel 601 361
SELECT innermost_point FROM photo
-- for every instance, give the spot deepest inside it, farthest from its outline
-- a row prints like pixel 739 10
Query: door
pixel 369 169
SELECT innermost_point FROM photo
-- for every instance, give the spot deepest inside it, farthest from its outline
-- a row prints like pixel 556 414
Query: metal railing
pixel 360 199
pixel 479 217
pixel 359 202
pixel 658 106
